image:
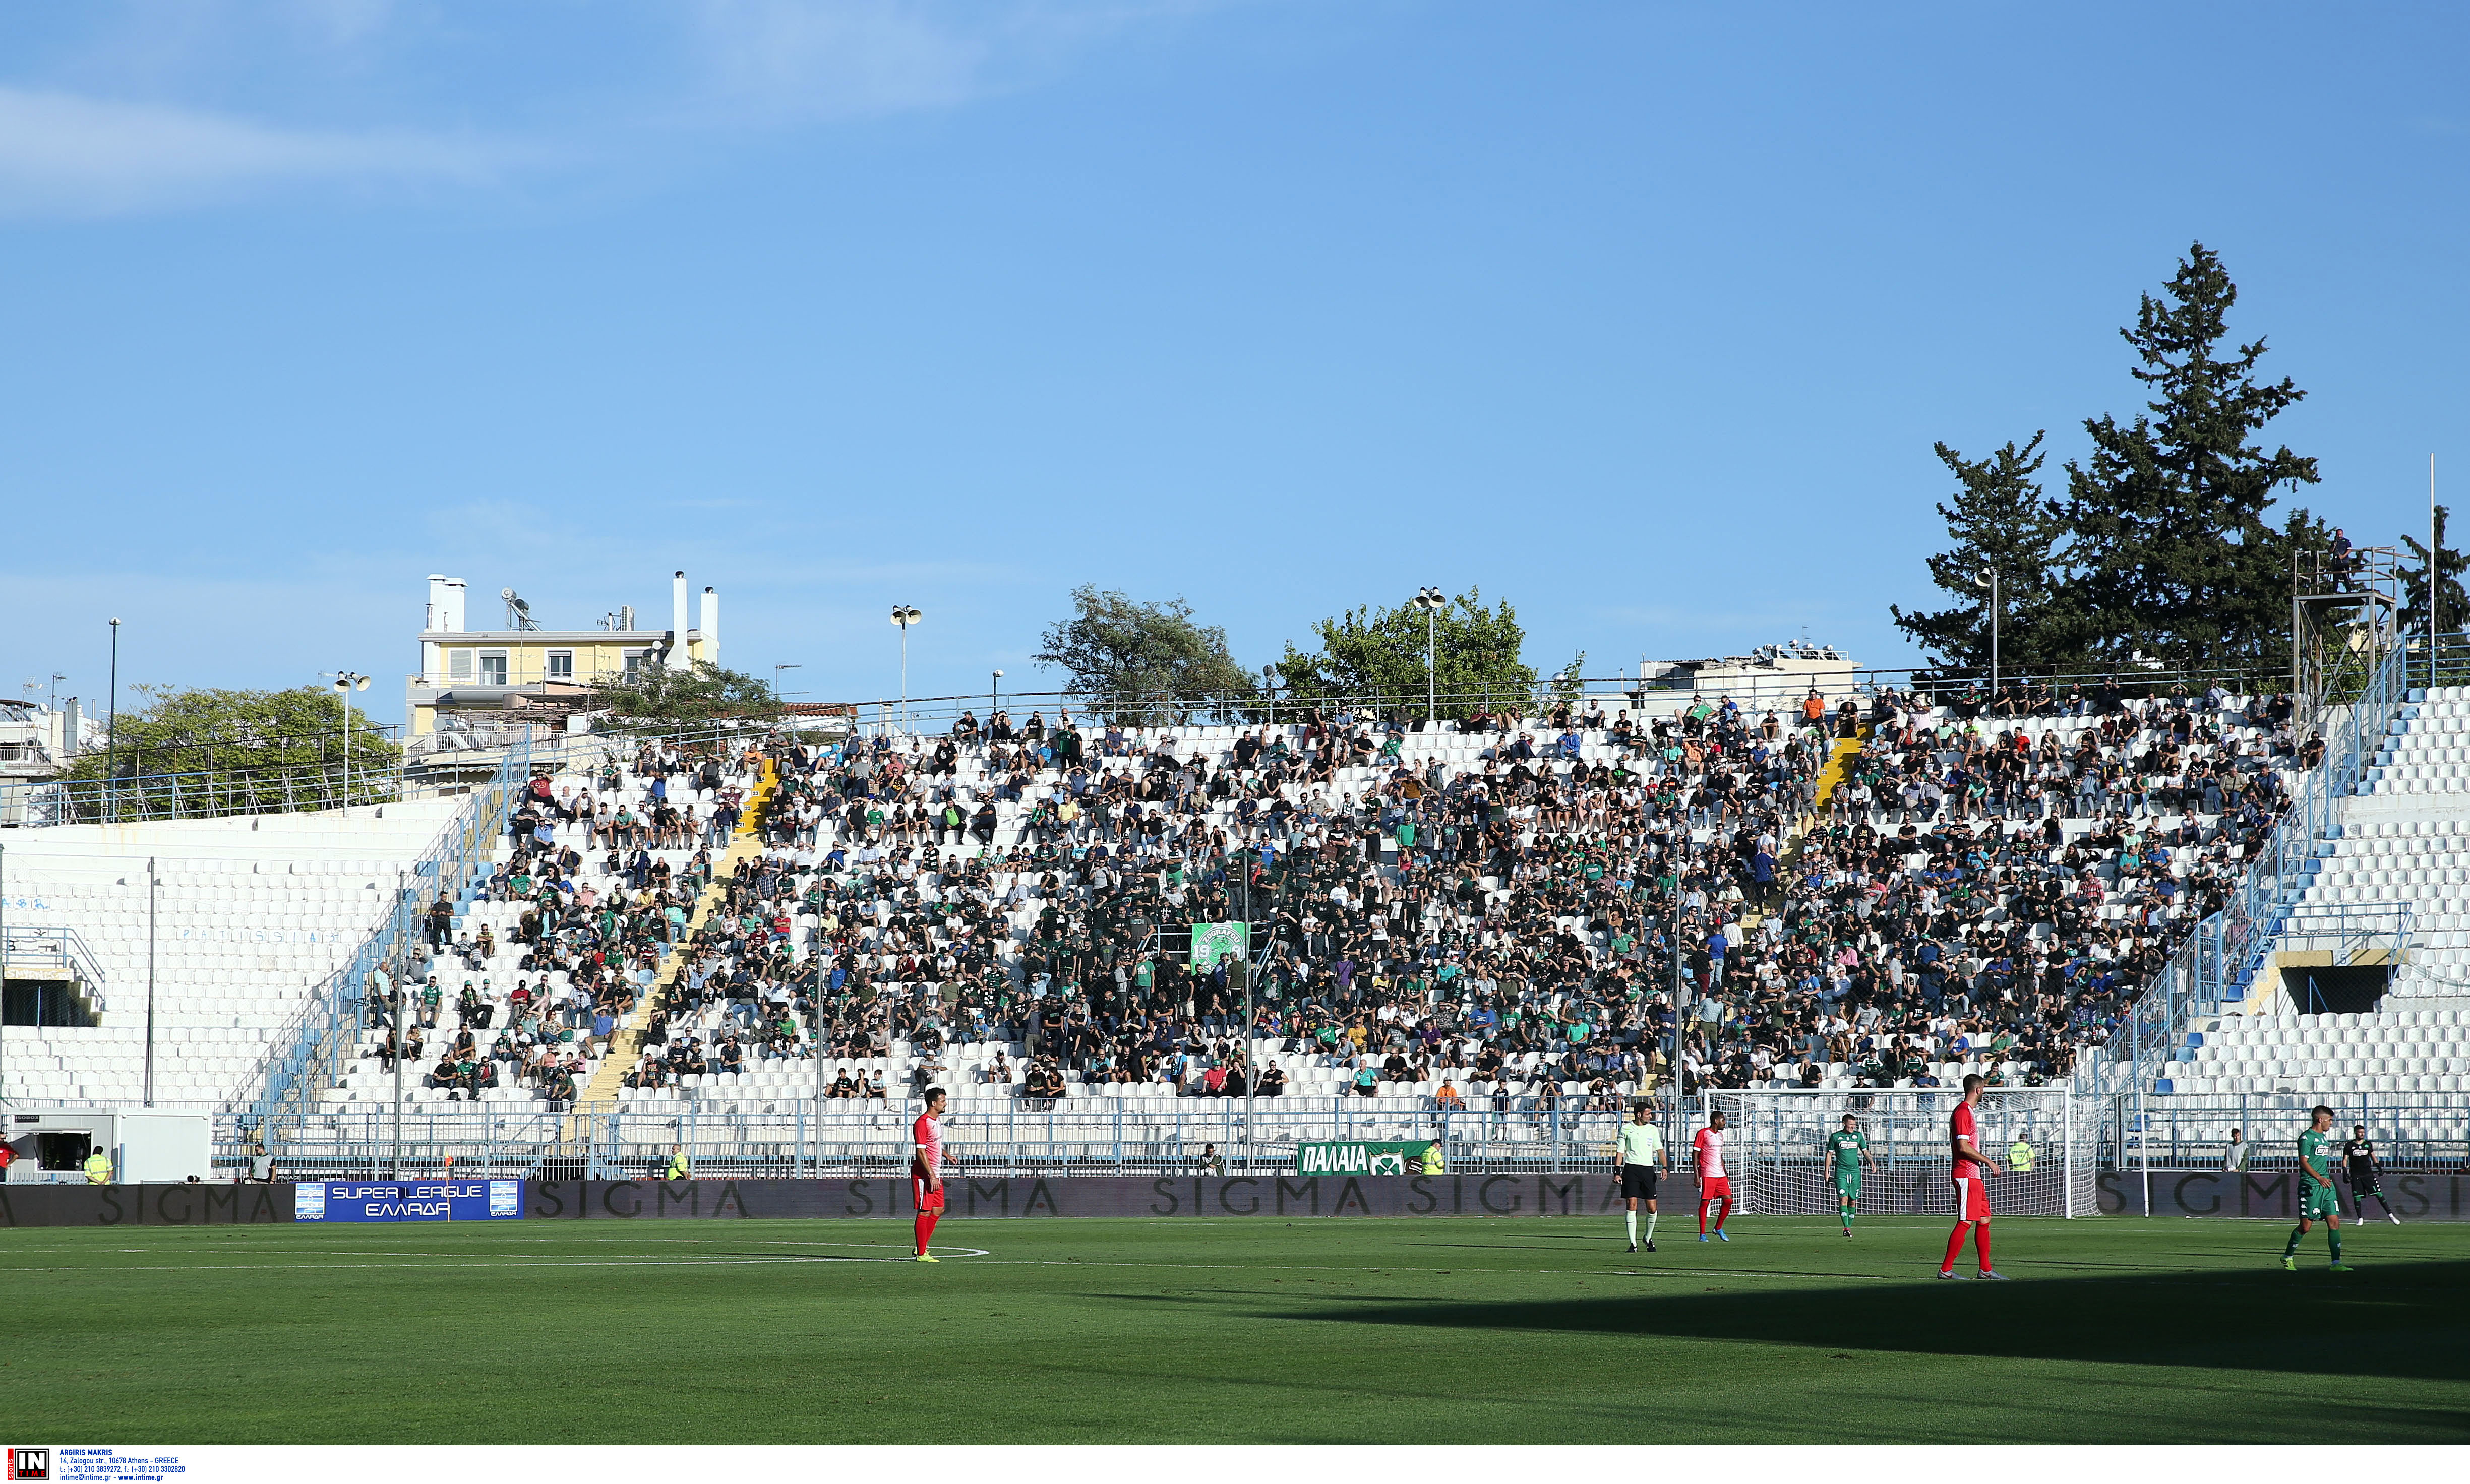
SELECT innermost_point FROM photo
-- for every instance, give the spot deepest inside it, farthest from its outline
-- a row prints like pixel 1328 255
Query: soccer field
pixel 1486 1330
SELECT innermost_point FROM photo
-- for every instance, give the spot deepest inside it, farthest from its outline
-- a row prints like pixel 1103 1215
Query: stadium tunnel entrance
pixel 2342 989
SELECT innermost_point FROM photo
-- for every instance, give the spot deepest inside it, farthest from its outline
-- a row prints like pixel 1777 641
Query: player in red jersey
pixel 1713 1185
pixel 1972 1170
pixel 926 1169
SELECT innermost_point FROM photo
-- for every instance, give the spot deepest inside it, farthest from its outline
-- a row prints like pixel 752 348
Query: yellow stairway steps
pixel 744 846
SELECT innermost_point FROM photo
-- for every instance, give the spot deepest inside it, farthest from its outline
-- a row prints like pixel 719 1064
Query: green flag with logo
pixel 1212 942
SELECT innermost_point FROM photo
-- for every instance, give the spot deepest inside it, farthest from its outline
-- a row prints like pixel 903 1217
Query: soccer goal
pixel 1776 1149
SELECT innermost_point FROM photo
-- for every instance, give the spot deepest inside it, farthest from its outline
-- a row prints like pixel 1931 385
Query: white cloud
pixel 838 57
pixel 823 58
pixel 118 128
pixel 61 153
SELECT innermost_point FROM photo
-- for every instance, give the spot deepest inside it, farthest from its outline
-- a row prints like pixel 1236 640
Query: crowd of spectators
pixel 1498 911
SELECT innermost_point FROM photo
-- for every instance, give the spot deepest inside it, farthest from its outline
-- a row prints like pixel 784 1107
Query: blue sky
pixel 1642 316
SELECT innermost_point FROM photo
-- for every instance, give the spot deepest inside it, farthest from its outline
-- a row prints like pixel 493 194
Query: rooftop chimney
pixel 445 605
pixel 710 626
pixel 678 619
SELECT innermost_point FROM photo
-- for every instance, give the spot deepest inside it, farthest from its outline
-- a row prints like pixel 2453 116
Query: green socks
pixel 2291 1249
pixel 1651 1226
pixel 2333 1235
pixel 1632 1218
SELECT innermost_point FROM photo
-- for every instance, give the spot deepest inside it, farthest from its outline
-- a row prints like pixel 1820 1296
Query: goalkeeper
pixel 1847 1149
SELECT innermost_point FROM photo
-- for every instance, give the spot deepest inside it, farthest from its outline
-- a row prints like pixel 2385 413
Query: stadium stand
pixel 1475 917
pixel 2398 862
pixel 252 917
pixel 1452 917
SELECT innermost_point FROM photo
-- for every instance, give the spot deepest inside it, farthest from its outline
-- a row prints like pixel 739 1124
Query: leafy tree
pixel 1568 683
pixel 236 750
pixel 662 698
pixel 1377 655
pixel 2171 556
pixel 2453 604
pixel 1999 522
pixel 1134 661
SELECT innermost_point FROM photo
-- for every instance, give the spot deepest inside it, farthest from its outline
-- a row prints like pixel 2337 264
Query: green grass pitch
pixel 1359 1330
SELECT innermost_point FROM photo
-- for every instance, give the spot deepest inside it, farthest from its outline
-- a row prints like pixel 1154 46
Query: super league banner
pixel 408 1201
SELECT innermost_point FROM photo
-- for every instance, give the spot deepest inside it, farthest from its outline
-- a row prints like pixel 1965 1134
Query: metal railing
pixel 2191 1132
pixel 986 1135
pixel 2220 958
pixel 1780 690
pixel 2351 932
pixel 195 796
pixel 1170 1136
pixel 313 1048
pixel 59 948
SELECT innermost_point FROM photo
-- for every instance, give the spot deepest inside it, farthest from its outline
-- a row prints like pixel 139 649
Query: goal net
pixel 1776 1150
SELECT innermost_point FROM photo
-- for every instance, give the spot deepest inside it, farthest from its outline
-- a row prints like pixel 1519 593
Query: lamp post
pixel 345 683
pixel 1269 689
pixel 395 979
pixel 153 893
pixel 994 698
pixel 1988 578
pixel 902 617
pixel 112 733
pixel 1431 602
pixel 776 680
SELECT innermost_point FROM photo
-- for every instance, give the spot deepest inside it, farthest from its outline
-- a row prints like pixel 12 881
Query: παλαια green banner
pixel 1355 1157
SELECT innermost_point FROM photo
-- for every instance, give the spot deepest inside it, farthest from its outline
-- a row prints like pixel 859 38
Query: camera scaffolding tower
pixel 2345 616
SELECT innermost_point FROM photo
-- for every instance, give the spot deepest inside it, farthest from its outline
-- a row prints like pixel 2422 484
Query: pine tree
pixel 2453 604
pixel 1999 522
pixel 2172 557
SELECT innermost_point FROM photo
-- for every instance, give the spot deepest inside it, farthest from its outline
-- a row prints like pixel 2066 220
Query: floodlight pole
pixel 903 615
pixel 1988 578
pixel 1431 602
pixel 153 887
pixel 402 892
pixel 818 1047
pixel 1244 964
pixel 111 740
pixel 345 683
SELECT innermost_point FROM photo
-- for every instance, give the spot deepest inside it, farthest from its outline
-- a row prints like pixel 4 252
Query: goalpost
pixel 1775 1150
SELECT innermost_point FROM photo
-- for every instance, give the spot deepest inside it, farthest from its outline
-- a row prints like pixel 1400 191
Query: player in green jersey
pixel 1847 1149
pixel 2316 1194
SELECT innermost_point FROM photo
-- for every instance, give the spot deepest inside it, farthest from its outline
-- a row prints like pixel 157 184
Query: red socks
pixel 1723 1208
pixel 1955 1247
pixel 1981 1243
pixel 924 1227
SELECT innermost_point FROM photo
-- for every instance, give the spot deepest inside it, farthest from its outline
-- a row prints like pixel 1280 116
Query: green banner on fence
pixel 1413 1156
pixel 1212 942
